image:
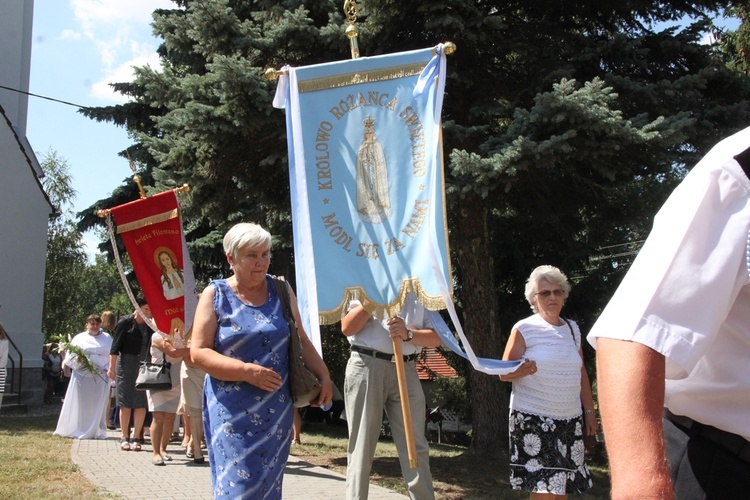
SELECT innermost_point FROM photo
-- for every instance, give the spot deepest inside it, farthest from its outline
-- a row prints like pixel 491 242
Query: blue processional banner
pixel 367 183
pixel 367 190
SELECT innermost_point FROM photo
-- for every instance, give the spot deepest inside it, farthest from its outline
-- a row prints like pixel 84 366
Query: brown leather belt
pixel 733 443
pixel 382 355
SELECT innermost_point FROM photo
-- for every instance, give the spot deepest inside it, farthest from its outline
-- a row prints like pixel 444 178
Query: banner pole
pixel 351 10
pixel 403 390
pixel 106 211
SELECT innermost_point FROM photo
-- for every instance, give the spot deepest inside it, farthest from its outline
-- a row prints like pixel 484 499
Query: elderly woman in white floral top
pixel 551 406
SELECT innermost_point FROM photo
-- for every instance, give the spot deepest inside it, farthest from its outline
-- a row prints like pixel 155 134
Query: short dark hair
pixel 140 300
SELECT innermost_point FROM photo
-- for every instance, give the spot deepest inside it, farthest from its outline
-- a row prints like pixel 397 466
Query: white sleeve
pixel 153 351
pixel 688 273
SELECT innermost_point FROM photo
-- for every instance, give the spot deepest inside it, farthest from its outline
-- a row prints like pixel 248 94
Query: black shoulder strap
pixel 571 331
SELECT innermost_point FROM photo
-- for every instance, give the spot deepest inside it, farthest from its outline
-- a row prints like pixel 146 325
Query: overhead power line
pixel 44 97
pixel 615 255
pixel 622 244
pixel 617 250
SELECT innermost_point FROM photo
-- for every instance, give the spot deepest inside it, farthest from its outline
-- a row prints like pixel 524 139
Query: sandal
pixel 158 461
pixel 124 444
pixel 137 444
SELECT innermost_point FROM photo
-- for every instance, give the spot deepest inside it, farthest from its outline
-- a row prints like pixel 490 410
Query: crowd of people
pixel 103 364
pixel 672 349
pixel 229 377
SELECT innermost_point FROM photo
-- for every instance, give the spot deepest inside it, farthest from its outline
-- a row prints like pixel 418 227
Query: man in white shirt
pixel 371 386
pixel 673 344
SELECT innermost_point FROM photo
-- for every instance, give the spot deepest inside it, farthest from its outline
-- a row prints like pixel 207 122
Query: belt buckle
pixel 393 358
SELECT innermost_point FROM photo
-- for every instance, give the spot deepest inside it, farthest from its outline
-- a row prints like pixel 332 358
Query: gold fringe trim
pixel 383 311
pixel 147 221
pixel 346 79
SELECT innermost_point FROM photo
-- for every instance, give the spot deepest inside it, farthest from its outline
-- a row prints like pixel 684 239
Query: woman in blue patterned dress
pixel 241 340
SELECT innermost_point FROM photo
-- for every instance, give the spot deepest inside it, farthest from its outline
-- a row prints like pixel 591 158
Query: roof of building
pixel 28 155
pixel 432 364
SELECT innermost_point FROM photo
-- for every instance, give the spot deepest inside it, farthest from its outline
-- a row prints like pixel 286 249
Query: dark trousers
pixel 51 389
pixel 702 469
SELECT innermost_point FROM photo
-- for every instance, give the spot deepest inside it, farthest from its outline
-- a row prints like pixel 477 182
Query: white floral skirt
pixel 547 455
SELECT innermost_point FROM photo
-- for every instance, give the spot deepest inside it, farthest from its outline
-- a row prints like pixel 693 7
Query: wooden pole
pixel 403 389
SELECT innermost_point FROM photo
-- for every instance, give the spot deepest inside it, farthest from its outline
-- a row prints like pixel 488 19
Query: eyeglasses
pixel 547 293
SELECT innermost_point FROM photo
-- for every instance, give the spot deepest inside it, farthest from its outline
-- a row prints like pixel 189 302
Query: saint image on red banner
pixel 151 229
pixel 172 277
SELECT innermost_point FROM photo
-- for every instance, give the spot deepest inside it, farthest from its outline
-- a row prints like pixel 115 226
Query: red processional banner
pixel 151 229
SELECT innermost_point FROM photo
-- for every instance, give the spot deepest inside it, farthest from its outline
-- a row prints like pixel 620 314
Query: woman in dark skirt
pixel 551 405
pixel 129 348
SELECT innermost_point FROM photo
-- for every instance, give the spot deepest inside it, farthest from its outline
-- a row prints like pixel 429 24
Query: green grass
pixel 36 464
pixel 456 473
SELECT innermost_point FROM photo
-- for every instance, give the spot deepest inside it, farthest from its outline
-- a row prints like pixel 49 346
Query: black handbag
pixel 303 384
pixel 154 377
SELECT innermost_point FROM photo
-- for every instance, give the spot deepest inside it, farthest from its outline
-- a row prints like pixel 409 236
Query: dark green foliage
pixel 66 260
pixel 336 351
pixel 566 125
pixel 205 118
pixel 734 46
pixel 455 394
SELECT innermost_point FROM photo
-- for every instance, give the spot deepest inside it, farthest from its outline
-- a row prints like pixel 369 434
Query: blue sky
pixel 78 46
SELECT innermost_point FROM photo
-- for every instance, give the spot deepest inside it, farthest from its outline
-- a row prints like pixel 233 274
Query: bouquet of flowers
pixel 84 362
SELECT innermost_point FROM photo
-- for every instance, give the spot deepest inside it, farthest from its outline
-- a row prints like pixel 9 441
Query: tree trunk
pixel 489 396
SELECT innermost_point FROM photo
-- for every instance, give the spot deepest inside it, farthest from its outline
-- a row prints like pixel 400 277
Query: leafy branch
pixel 84 362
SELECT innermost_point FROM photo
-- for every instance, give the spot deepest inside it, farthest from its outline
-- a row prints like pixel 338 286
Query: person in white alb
pixel 371 386
pixel 84 411
pixel 673 344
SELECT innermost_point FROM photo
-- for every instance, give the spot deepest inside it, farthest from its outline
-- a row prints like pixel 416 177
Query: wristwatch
pixel 409 335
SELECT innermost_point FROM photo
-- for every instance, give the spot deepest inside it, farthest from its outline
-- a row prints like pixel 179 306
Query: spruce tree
pixel 566 125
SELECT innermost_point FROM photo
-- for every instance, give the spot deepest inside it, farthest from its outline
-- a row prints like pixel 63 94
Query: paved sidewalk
pixel 130 474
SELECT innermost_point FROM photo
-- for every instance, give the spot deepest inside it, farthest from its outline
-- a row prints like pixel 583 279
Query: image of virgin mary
pixel 373 199
pixel 172 280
